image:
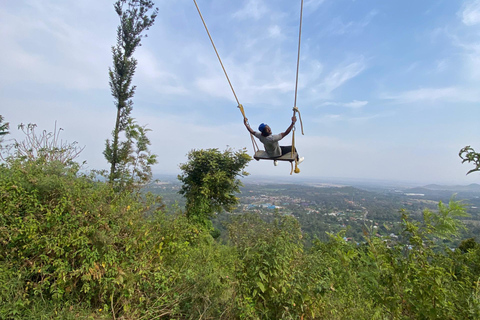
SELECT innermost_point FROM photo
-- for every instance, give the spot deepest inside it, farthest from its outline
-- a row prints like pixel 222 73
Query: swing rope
pixel 215 48
pixel 240 106
pixel 298 56
pixel 295 108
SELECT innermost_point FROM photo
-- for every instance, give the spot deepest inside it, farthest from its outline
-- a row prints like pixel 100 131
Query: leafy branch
pixel 468 154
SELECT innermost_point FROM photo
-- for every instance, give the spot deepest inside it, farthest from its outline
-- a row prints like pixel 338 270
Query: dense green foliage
pixel 73 247
pixel 210 181
pixel 67 241
pixel 130 160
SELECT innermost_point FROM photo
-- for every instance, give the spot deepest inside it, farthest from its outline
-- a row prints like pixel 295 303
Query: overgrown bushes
pixel 73 247
pixel 69 239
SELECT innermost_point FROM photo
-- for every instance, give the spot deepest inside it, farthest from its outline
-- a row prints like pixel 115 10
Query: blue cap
pixel 262 127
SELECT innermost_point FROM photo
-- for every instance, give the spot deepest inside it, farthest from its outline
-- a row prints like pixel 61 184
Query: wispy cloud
pixel 370 117
pixel 215 86
pixel 448 94
pixel 313 5
pixel 67 55
pixel 157 75
pixel 339 27
pixel 471 13
pixel 441 65
pixel 338 78
pixel 341 75
pixel 355 104
pixel 329 119
pixel 254 9
pixel 275 31
pixel 367 19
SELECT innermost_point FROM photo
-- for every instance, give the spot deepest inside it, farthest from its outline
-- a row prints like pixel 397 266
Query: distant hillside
pixel 474 187
pixel 445 193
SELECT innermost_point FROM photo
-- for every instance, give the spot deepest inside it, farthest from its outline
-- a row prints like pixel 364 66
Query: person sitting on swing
pixel 270 141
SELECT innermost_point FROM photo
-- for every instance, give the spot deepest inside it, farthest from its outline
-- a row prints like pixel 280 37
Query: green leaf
pixel 261 286
pixel 262 275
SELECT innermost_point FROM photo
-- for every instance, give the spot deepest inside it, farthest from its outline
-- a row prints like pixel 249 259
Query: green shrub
pixel 268 267
pixel 69 237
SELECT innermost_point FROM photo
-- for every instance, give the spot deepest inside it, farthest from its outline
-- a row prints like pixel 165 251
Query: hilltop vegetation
pixel 74 247
pixel 97 245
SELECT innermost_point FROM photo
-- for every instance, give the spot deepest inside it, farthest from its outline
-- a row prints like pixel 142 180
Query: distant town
pixel 327 208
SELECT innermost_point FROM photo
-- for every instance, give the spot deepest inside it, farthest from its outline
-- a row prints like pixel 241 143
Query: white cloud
pixel 338 78
pixel 156 74
pixel 333 118
pixel 51 48
pixel 367 118
pixel 355 104
pixel 215 86
pixel 367 19
pixel 275 31
pixel 450 94
pixel 253 9
pixel 312 5
pixel 441 65
pixel 471 13
pixel 328 118
pixel 338 27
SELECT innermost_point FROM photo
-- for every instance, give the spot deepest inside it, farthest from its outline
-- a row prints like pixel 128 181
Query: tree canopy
pixel 210 181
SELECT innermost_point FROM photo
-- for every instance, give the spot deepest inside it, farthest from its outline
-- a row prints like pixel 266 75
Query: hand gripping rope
pixel 296 170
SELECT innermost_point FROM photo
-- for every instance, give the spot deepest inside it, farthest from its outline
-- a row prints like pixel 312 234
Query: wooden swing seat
pixel 262 155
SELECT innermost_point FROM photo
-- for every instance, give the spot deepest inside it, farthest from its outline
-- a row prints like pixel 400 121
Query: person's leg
pixel 287 149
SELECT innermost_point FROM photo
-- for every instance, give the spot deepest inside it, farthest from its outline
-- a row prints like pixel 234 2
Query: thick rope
pixel 215 48
pixel 254 143
pixel 295 108
pixel 298 55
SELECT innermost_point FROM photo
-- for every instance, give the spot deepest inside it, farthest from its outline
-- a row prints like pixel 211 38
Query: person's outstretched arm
pixel 245 121
pixel 294 119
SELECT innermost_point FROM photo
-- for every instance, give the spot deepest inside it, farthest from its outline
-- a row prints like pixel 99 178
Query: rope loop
pixel 296 110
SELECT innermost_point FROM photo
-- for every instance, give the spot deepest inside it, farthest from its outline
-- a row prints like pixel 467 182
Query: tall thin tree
pixel 136 16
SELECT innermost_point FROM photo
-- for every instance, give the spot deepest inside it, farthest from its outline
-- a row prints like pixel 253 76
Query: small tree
pixel 134 20
pixel 210 181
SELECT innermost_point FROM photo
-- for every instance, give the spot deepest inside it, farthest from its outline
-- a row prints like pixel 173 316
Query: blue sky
pixel 388 90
